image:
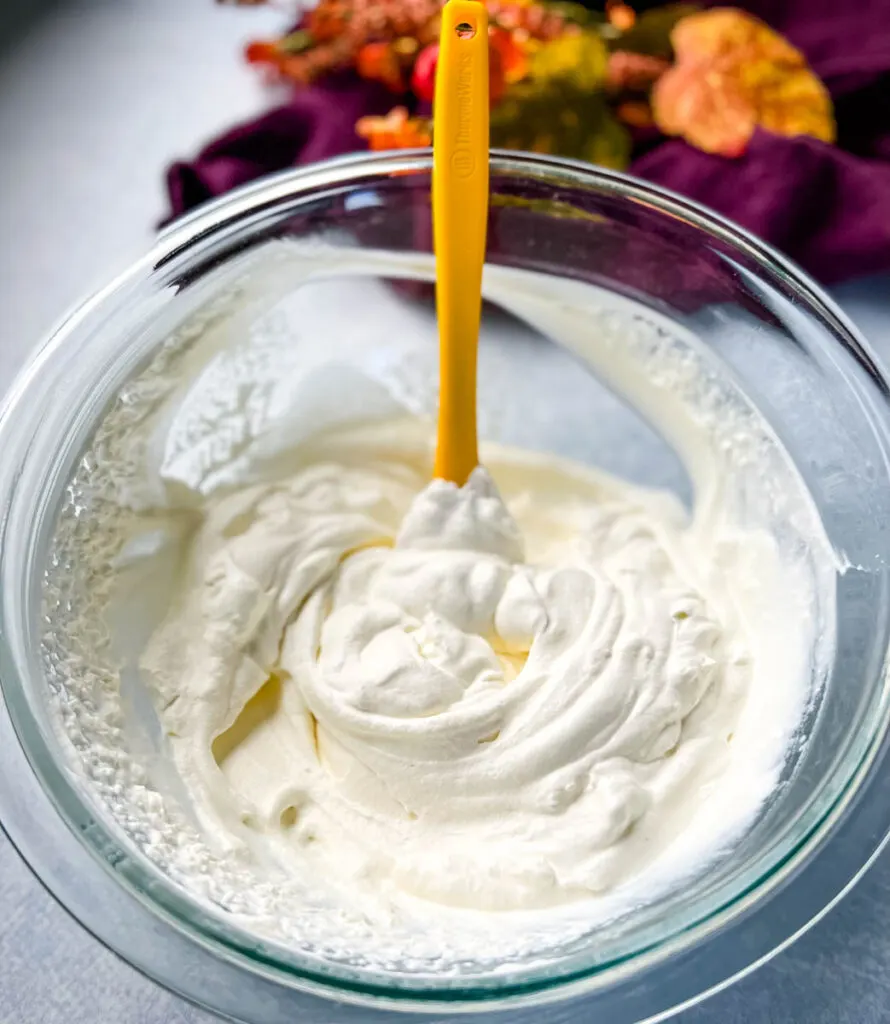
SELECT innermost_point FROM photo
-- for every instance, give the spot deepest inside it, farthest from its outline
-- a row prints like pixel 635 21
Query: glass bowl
pixel 647 271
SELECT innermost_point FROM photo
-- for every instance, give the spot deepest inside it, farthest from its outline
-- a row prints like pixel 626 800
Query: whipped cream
pixel 514 694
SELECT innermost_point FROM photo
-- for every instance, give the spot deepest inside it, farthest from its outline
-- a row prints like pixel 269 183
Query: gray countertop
pixel 95 98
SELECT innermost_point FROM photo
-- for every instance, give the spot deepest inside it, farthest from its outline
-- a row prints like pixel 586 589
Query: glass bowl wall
pixel 653 267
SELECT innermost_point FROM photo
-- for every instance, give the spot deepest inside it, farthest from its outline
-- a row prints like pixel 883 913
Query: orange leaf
pixel 732 74
pixel 709 110
pixel 789 102
pixel 726 32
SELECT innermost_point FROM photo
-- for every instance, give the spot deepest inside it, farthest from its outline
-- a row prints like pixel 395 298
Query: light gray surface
pixel 94 101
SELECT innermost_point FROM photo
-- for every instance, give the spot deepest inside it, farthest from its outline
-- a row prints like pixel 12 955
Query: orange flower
pixel 329 20
pixel 379 62
pixel 508 55
pixel 262 51
pixel 394 131
pixel 733 73
pixel 620 15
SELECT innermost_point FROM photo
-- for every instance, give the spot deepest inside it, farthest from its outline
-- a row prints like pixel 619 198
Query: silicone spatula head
pixel 460 217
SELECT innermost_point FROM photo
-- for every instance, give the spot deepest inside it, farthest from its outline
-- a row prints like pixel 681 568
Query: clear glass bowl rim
pixel 238 209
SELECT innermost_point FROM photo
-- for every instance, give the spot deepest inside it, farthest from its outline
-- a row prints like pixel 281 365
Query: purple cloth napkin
pixel 319 122
pixel 828 207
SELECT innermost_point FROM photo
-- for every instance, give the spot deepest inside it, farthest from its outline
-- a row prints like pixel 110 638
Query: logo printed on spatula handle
pixel 460 215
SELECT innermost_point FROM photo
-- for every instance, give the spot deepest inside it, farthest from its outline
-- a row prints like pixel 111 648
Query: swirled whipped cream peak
pixel 509 695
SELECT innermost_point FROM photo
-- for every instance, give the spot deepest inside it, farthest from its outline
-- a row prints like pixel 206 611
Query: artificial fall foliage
pixel 731 74
pixel 373 36
pixel 566 81
pixel 560 106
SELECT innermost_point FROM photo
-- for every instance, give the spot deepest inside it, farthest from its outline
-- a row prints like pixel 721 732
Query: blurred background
pixel 116 115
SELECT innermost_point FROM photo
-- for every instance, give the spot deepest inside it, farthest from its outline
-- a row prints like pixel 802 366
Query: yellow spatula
pixel 460 215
